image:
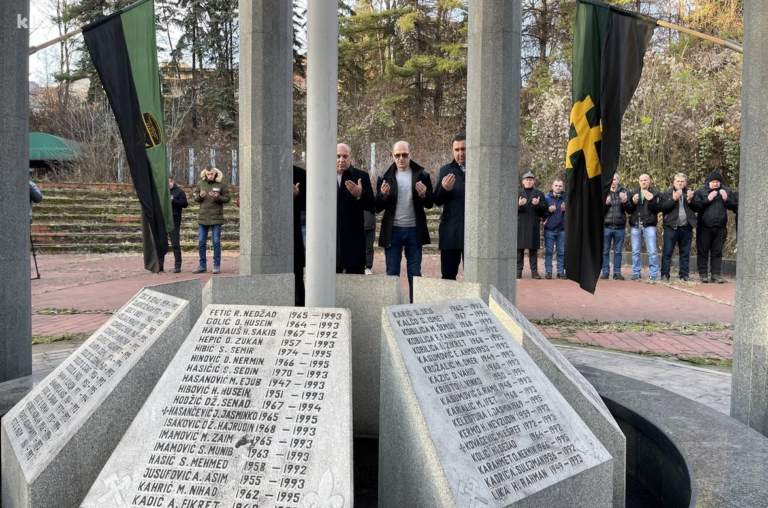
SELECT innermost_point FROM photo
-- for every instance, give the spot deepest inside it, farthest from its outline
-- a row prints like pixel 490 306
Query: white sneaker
pixel 368 271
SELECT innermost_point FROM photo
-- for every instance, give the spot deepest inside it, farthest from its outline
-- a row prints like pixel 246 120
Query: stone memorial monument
pixel 364 296
pixel 254 411
pixel 579 393
pixel 468 419
pixel 57 439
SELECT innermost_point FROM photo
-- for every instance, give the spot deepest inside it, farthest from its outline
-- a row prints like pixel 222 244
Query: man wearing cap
pixel 531 208
pixel 711 203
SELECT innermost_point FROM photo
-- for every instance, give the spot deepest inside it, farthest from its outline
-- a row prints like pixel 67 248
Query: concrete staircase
pixel 103 218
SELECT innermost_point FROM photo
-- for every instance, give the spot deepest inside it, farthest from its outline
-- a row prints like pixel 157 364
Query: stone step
pixel 105 218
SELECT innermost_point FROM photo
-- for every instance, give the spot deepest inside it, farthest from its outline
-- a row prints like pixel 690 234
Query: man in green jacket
pixel 212 194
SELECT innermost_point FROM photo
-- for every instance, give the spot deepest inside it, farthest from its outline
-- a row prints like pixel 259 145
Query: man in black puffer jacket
pixel 178 203
pixel 679 221
pixel 712 202
pixel 646 205
pixel 617 206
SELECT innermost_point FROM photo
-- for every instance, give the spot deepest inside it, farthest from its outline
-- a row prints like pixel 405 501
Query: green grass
pixel 48 339
pixel 709 362
pixel 52 311
pixel 569 327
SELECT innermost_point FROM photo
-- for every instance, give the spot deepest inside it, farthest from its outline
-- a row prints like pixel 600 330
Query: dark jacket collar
pixel 392 170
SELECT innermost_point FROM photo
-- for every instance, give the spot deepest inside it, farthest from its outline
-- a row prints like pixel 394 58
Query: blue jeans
pixel 404 239
pixel 554 239
pixel 682 236
pixel 202 240
pixel 649 235
pixel 617 235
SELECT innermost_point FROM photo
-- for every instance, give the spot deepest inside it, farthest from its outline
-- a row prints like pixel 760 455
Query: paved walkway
pixel 707 386
pixel 79 293
pixel 100 284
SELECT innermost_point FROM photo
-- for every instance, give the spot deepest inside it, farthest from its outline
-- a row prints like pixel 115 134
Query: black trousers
pixel 298 278
pixel 533 260
pixel 450 259
pixel 175 247
pixel 359 270
pixel 709 247
pixel 370 234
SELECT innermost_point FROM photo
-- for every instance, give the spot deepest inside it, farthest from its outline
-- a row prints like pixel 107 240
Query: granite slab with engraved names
pixel 581 395
pixel 254 411
pixel 57 439
pixel 468 419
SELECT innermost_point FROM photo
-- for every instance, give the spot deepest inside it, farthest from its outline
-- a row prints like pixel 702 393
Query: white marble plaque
pixel 254 411
pixel 501 430
pixel 77 403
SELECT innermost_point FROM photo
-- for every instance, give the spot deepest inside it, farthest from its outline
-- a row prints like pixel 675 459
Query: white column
pixel 322 77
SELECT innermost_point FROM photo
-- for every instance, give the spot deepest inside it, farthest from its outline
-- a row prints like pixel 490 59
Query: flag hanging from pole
pixel 608 49
pixel 124 51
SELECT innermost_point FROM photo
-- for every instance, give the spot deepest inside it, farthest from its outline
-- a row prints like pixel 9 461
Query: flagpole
pixel 62 38
pixel 733 45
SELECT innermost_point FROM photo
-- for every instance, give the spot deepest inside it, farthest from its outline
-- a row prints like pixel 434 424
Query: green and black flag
pixel 124 52
pixel 608 49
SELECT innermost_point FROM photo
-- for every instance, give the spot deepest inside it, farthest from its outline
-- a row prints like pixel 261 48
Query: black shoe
pixel 618 276
pixel 665 278
pixel 535 275
pixel 520 275
pixel 685 278
pixel 718 279
pixel 561 276
pixel 177 269
pixel 548 275
pixel 703 279
pixel 604 276
pixel 200 269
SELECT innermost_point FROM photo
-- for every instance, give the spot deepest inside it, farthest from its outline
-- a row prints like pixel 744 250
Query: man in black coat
pixel 178 203
pixel 679 221
pixel 354 195
pixel 449 194
pixel 299 256
pixel 403 192
pixel 712 202
pixel 531 208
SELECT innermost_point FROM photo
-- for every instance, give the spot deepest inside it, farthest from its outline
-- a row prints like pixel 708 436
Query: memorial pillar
pixel 749 397
pixel 322 114
pixel 493 143
pixel 266 137
pixel 16 289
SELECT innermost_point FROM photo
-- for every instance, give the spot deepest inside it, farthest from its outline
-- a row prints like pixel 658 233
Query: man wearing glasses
pixel 403 192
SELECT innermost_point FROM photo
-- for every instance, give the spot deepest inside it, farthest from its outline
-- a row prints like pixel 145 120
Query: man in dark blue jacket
pixel 712 202
pixel 449 194
pixel 554 229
